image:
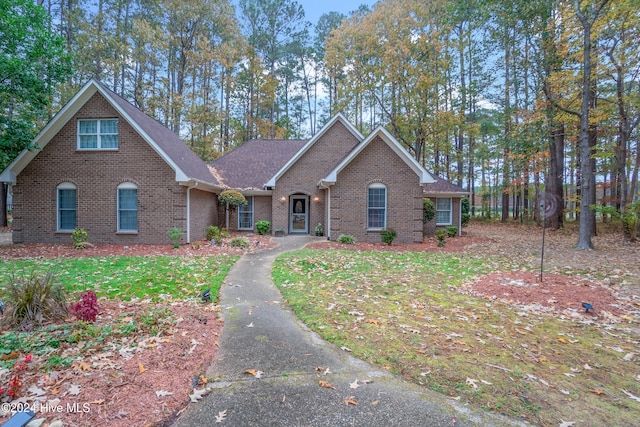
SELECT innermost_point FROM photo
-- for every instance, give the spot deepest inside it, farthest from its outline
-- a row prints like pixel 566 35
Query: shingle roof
pixel 442 186
pixel 167 141
pixel 251 165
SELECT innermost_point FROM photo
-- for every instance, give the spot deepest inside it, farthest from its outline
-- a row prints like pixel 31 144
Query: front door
pixel 299 214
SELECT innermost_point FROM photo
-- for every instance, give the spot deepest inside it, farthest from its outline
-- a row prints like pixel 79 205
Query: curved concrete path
pixel 260 332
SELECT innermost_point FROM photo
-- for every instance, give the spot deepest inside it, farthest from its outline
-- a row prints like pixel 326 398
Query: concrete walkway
pixel 261 333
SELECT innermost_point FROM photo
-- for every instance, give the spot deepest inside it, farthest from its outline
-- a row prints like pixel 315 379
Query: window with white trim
pixel 127 207
pixel 66 206
pixel 98 134
pixel 443 211
pixel 245 215
pixel 377 207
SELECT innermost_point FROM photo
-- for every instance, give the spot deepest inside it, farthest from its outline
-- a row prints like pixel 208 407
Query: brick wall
pixel 377 163
pixel 204 212
pixel 261 210
pixel 303 177
pixel 96 174
pixel 430 228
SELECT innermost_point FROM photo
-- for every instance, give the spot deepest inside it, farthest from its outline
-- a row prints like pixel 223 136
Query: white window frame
pixel 65 186
pixel 376 185
pixel 127 186
pixel 449 210
pixel 99 135
pixel 246 210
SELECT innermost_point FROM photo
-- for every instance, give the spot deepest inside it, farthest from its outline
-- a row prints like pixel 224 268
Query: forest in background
pixel 524 103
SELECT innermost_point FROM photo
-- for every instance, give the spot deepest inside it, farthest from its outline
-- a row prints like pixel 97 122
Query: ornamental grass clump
pixel 31 300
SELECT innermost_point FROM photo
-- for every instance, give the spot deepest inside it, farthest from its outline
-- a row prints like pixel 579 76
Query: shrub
pixel 452 231
pixel 466 212
pixel 428 210
pixel 232 197
pixel 33 300
pixel 347 239
pixel 213 232
pixel 239 242
pixel 441 235
pixel 387 236
pixel 175 234
pixel 631 221
pixel 87 308
pixel 79 238
pixel 263 226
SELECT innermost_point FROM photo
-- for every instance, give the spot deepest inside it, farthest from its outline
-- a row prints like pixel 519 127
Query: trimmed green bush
pixel 441 235
pixel 388 236
pixel 213 232
pixel 452 231
pixel 79 238
pixel 263 226
pixel 347 239
pixel 239 242
pixel 175 234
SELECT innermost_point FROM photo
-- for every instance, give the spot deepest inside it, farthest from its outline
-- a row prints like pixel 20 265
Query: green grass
pixel 409 313
pixel 150 277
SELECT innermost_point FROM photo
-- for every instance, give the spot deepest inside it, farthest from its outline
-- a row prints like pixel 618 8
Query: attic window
pixel 98 134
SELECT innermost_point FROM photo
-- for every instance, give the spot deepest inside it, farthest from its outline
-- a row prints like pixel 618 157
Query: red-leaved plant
pixel 87 308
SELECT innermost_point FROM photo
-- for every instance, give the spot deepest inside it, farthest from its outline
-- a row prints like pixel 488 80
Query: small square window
pixel 99 134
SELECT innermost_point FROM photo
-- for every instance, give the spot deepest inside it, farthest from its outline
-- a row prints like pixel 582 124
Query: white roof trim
pixel 424 176
pixel 309 144
pixel 62 118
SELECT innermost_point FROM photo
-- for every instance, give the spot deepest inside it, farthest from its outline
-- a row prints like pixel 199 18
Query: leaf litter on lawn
pixel 520 349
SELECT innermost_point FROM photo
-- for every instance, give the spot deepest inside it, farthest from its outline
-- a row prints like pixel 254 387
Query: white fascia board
pixel 200 185
pixel 309 144
pixel 49 131
pixel 423 175
pixel 63 117
pixel 180 174
pixel 443 194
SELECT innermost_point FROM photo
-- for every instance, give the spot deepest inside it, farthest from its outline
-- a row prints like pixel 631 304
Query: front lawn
pixel 129 277
pixel 411 314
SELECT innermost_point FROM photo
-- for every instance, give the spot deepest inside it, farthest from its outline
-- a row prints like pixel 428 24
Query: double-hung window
pixel 66 206
pixel 245 215
pixel 127 207
pixel 443 212
pixel 377 207
pixel 98 134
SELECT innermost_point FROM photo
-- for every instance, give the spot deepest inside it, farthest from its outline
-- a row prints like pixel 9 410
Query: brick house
pixel 105 166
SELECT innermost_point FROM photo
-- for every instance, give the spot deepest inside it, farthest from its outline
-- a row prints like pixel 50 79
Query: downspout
pixel 328 213
pixel 188 214
pixel 460 217
pixel 189 211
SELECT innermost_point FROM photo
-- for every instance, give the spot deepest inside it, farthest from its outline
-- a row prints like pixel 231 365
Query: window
pixel 245 215
pixel 443 212
pixel 98 134
pixel 377 207
pixel 127 207
pixel 66 200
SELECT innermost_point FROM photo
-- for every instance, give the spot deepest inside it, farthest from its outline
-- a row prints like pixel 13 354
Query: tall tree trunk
pixel 556 173
pixel 586 144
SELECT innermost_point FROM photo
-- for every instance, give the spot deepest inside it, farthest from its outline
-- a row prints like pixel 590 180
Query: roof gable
pixel 186 164
pixel 424 176
pixel 335 119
